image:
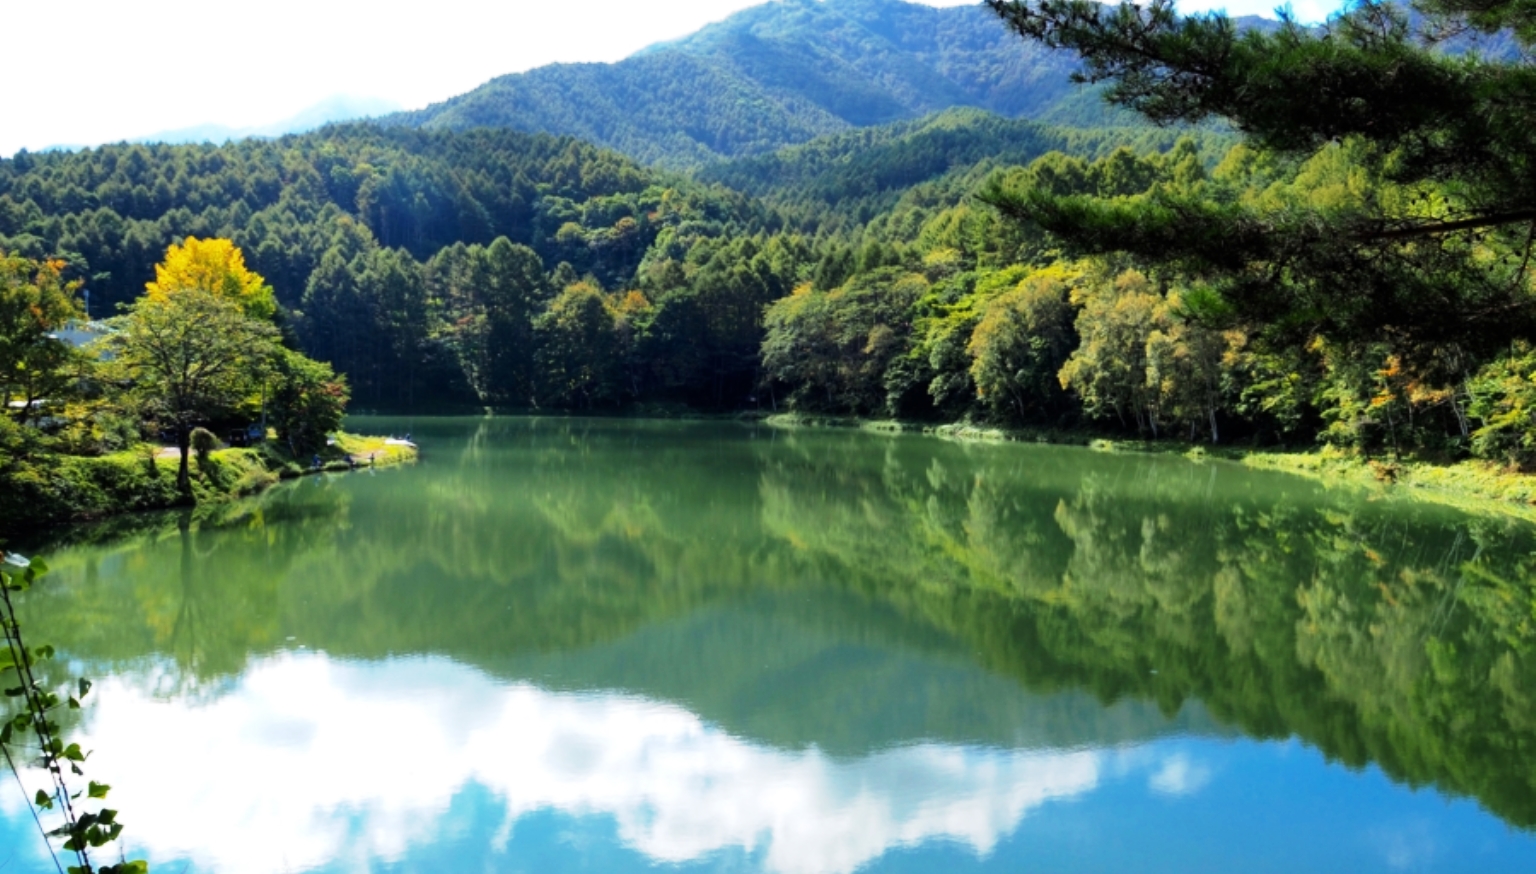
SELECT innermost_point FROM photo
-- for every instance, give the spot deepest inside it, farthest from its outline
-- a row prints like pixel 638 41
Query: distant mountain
pixel 332 109
pixel 790 71
pixel 774 75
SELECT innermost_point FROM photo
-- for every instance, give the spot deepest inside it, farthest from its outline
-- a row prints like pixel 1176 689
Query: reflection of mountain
pixel 846 676
pixel 838 591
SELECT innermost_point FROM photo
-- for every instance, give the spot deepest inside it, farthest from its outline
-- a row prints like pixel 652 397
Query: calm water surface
pixel 610 646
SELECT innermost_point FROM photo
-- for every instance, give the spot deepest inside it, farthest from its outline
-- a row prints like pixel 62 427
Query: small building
pixel 78 333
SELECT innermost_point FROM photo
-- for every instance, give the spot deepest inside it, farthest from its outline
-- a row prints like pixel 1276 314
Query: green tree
pixel 337 317
pixel 1504 402
pixel 578 355
pixel 1190 369
pixel 1108 371
pixel 509 279
pixel 1020 344
pixel 35 365
pixel 836 349
pixel 190 357
pixel 308 401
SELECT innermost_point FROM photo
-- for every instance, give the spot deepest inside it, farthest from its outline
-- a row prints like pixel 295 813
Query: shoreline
pixel 1471 485
pixel 93 489
pixel 62 490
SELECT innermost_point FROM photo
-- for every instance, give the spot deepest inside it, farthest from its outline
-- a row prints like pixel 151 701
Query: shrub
pixel 203 443
pixel 1504 402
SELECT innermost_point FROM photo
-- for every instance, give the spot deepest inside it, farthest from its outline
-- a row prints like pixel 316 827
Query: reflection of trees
pixel 200 588
pixel 1387 633
pixel 552 535
pixel 1396 634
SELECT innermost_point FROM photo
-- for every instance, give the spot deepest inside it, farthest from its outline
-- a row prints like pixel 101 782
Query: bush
pixel 203 443
pixel 47 489
pixel 1504 402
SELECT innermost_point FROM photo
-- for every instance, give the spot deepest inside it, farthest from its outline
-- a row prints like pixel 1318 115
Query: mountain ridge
pixel 770 76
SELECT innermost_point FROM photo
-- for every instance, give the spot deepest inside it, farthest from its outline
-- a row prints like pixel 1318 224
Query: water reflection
pixel 842 606
pixel 309 763
pixel 307 747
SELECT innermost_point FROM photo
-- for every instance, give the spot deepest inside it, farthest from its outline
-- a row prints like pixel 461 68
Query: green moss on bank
pixel 47 489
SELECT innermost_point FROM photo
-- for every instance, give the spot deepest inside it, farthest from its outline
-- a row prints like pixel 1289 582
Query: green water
pixel 619 646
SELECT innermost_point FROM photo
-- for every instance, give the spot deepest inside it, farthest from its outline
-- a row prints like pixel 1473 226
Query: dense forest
pixel 492 267
pixel 838 184
pixel 1233 274
pixel 378 244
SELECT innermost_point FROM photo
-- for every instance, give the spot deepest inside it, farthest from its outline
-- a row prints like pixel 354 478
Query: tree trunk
pixel 183 444
pixel 1458 409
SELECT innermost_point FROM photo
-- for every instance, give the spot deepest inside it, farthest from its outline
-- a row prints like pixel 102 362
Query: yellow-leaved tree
pixel 215 266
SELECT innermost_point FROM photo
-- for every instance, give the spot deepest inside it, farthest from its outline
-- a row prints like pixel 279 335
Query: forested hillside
pixel 841 181
pixel 365 234
pixel 492 267
pixel 112 211
pixel 777 74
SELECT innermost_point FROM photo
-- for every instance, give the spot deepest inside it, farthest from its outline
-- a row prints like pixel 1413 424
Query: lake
pixel 616 646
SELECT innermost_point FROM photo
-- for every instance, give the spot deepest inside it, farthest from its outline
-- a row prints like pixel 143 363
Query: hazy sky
pixel 83 72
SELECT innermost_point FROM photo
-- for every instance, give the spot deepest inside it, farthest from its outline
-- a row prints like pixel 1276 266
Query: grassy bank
pixel 362 450
pixel 49 489
pixel 1476 486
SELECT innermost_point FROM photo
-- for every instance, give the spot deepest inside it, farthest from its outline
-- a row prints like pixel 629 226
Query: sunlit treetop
pixel 214 265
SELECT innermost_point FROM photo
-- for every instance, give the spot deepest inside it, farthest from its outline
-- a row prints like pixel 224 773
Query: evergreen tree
pixel 1448 138
pixel 510 279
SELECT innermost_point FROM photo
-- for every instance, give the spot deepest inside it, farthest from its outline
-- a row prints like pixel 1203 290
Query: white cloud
pixel 335 760
pixel 1179 776
pixel 1406 846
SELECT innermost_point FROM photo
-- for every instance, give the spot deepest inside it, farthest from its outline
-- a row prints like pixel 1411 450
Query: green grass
pixel 48 489
pixel 362 448
pixel 1474 486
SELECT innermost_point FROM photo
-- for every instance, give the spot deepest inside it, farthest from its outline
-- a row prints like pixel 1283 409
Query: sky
pixel 85 72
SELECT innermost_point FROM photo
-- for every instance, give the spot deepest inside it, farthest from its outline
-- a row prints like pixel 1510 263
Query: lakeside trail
pixel 1473 486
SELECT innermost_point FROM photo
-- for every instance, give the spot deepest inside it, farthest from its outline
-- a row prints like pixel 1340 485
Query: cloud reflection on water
pixel 339 763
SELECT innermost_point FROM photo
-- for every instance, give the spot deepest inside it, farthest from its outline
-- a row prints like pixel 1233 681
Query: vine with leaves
pixel 82 830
